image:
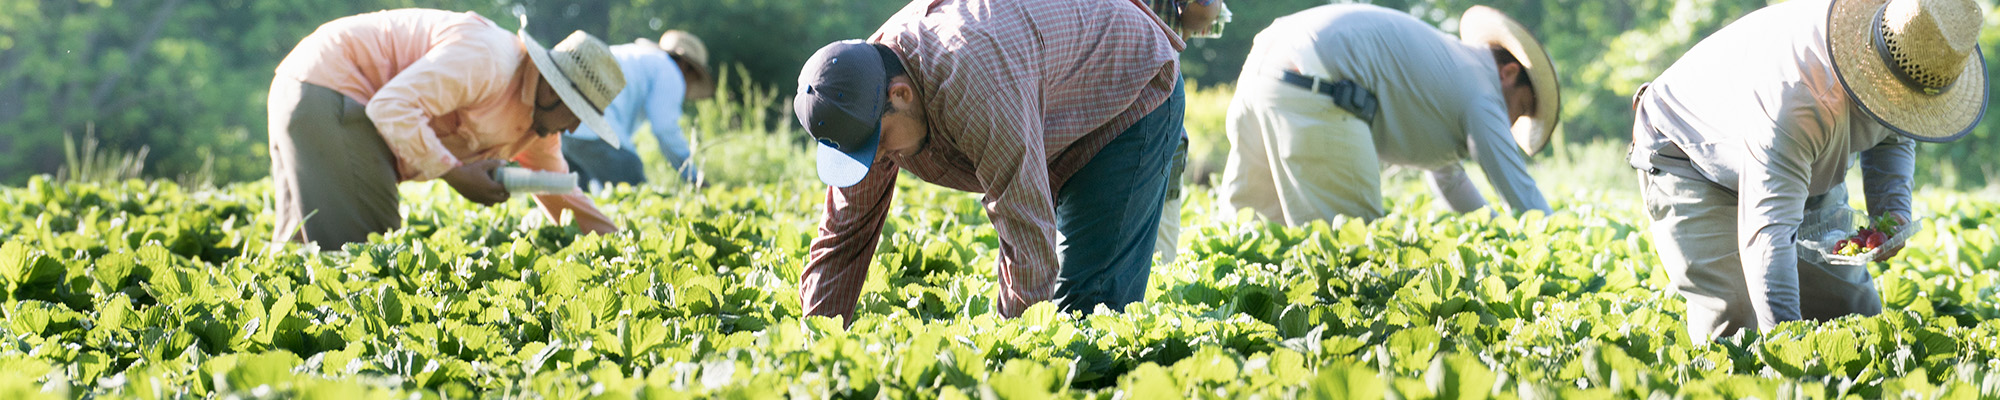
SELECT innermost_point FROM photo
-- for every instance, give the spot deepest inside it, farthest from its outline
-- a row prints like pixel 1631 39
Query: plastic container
pixel 1822 229
pixel 521 181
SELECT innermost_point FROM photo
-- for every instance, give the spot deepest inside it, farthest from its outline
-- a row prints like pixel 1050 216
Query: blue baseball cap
pixel 843 92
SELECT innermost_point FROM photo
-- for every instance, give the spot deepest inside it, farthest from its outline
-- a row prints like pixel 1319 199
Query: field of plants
pixel 147 289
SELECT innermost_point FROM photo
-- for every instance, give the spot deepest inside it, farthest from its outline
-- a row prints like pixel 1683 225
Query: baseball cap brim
pixel 847 168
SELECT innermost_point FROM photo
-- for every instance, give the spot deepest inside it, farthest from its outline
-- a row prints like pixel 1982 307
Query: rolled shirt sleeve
pixel 1886 171
pixel 1506 167
pixel 449 77
pixel 1770 206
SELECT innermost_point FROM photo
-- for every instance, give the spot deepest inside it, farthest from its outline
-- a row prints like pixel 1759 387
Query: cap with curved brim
pixel 1482 25
pixel 571 97
pixel 847 168
pixel 842 93
pixel 1909 111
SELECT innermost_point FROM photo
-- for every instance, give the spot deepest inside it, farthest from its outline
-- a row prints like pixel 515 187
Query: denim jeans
pixel 595 161
pixel 1109 212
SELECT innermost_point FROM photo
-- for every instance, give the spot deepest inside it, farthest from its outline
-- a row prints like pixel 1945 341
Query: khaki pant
pixel 1167 245
pixel 1295 157
pixel 332 176
pixel 1694 228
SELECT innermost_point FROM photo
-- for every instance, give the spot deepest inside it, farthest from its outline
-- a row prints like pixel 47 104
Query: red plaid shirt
pixel 1019 94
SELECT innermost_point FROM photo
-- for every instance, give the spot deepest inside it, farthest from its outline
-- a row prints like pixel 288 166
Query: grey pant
pixel 1694 230
pixel 333 177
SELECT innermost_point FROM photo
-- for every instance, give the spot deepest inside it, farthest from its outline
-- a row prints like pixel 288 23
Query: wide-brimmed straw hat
pixel 584 75
pixel 1913 65
pixel 688 47
pixel 1482 25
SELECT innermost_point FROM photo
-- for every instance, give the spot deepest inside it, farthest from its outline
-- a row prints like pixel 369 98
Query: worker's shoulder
pixel 639 51
pixel 1350 15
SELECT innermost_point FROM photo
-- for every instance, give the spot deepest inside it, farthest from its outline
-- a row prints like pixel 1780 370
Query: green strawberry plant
pixel 149 290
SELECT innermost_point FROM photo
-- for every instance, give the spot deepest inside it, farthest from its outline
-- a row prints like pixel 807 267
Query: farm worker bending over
pixel 1753 130
pixel 658 76
pixel 407 95
pixel 1331 94
pixel 1064 113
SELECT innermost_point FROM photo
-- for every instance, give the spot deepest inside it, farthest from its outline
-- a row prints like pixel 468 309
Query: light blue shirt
pixel 654 85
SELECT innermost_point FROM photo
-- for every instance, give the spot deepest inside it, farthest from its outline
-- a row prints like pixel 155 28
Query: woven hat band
pixel 1886 46
pixel 1924 48
pixel 592 100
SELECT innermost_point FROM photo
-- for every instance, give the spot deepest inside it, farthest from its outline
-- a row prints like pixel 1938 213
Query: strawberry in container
pixel 1867 240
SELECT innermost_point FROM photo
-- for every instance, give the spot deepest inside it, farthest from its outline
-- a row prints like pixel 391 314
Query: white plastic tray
pixel 1824 228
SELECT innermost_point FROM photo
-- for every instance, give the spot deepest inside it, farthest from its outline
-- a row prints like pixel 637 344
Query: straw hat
pixel 1913 65
pixel 688 47
pixel 584 75
pixel 1485 26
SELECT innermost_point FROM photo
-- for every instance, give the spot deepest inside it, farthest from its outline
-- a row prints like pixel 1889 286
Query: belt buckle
pixel 1320 85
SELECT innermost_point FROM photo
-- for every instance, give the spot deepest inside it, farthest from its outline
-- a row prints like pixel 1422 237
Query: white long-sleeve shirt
pixel 1440 99
pixel 1757 108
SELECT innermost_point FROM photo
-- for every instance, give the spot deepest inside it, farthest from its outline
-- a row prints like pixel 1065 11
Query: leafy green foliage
pixel 152 289
pixel 147 289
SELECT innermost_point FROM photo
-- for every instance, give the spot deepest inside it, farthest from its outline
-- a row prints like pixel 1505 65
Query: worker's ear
pixel 901 92
pixel 1510 75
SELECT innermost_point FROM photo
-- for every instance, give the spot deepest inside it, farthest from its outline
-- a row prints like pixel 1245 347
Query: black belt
pixel 1346 94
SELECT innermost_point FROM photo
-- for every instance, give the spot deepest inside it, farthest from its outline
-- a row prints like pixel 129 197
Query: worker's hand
pixel 475 182
pixel 1902 222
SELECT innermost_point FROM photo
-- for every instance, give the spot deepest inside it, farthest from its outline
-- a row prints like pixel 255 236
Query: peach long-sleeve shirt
pixel 441 87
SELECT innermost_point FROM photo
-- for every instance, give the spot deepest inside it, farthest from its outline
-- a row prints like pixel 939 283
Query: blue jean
pixel 595 161
pixel 1109 212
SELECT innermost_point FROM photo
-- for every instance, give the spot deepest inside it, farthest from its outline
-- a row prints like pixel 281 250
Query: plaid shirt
pixel 1019 94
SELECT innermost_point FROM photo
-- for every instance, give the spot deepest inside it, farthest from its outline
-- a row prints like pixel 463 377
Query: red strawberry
pixel 1873 239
